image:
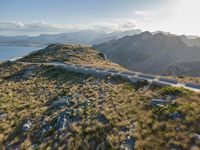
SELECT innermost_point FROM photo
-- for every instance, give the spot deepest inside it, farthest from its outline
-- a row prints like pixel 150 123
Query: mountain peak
pixel 145 34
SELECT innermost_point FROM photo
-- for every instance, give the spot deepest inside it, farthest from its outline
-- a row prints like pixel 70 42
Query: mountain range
pixel 156 53
pixel 85 37
pixel 153 53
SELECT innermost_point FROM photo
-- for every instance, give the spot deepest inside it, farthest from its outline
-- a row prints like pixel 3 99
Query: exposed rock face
pixel 149 53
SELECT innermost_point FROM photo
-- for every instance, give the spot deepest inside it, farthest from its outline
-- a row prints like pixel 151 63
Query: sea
pixel 14 52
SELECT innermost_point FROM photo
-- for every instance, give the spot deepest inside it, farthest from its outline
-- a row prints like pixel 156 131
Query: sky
pixel 34 17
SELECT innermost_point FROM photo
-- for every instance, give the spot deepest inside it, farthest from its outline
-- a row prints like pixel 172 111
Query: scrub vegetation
pixel 44 107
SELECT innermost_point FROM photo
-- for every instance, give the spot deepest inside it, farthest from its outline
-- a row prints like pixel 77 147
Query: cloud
pixel 35 28
pixel 142 12
pixel 119 25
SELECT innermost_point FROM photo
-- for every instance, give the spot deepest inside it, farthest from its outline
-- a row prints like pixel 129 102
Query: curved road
pixel 130 75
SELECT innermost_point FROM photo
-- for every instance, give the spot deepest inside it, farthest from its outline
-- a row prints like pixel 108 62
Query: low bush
pixel 170 90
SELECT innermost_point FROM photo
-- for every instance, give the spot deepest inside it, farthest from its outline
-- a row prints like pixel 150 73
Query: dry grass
pixel 111 110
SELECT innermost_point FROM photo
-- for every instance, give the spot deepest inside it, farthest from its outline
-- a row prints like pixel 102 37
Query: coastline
pixel 12 53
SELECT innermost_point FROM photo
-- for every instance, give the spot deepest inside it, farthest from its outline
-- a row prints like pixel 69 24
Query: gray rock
pixel 156 102
pixel 2 115
pixel 26 127
pixel 123 129
pixel 170 97
pixel 73 115
pixel 129 142
pixel 45 129
pixel 35 146
pixel 68 117
pixel 101 101
pixel 85 103
pixel 101 118
pixel 63 101
pixel 61 122
pixel 77 95
pixel 197 136
pixel 175 116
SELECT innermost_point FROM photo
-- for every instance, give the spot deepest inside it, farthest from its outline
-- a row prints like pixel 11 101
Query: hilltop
pixel 71 54
pixel 45 107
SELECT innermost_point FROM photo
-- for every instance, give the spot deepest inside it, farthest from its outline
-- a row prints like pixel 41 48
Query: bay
pixel 12 52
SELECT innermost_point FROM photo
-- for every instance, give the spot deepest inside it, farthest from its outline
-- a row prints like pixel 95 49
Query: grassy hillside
pixel 43 107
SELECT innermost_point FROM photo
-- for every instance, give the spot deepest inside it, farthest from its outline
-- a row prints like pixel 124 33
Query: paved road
pixel 130 75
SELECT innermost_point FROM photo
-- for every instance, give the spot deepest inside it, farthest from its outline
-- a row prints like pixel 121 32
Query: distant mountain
pixel 114 35
pixel 191 41
pixel 85 37
pixel 149 53
pixel 80 37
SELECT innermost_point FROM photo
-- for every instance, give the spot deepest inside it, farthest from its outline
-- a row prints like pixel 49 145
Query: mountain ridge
pixel 149 53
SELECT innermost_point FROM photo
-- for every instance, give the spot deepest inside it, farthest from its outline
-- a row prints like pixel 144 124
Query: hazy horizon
pixel 35 17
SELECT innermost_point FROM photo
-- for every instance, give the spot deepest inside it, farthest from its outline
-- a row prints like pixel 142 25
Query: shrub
pixel 141 83
pixel 163 112
pixel 170 90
